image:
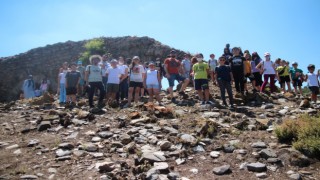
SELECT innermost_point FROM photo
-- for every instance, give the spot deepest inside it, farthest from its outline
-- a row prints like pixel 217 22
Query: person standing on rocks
pixel 224 77
pixel 247 72
pixel 255 71
pixel 104 66
pixel 200 72
pixel 82 82
pixel 186 66
pixel 61 85
pixel 267 68
pixel 283 76
pixel 137 74
pixel 313 82
pixel 213 63
pixel 237 68
pixel 153 82
pixel 114 74
pixel 123 92
pixel 93 78
pixel 172 68
pixel 28 88
pixel 44 86
pixel 296 77
pixel 227 54
pixel 72 83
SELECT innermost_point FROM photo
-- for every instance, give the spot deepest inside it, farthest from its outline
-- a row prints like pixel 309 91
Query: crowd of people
pixel 115 80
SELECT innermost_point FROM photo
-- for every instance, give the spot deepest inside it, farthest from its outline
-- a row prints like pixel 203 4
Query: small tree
pixel 95 46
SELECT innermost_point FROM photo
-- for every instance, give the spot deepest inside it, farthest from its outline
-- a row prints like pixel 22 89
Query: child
pixel 200 72
pixel 313 83
pixel 296 77
pixel 114 74
pixel 186 66
pixel 153 82
pixel 72 82
pixel 283 76
pixel 248 72
pixel 237 68
pixel 224 78
pixel 213 63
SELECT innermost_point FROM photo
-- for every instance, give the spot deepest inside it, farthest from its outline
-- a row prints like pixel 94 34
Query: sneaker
pixel 160 104
pixel 181 93
pixel 203 103
pixel 231 107
pixel 127 105
pixel 209 102
pixel 173 100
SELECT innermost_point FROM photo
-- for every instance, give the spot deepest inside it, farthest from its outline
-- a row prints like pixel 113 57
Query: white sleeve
pixel 143 70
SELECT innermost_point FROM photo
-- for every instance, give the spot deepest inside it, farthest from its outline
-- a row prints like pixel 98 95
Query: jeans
pixel 123 91
pixel 238 81
pixel 225 85
pixel 93 86
pixel 265 82
pixel 63 93
pixel 105 81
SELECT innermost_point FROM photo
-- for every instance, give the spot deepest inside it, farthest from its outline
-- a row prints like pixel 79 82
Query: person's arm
pixel 231 75
pixel 306 78
pixel 59 78
pixel 208 70
pixel 145 80
pixel 125 75
pixel 159 79
pixel 86 75
pixel 166 69
pixel 259 66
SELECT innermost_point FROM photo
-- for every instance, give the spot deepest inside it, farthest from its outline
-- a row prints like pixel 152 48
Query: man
pixel 114 74
pixel 93 78
pixel 72 83
pixel 123 92
pixel 237 68
pixel 104 66
pixel 82 70
pixel 296 77
pixel 172 68
pixel 186 66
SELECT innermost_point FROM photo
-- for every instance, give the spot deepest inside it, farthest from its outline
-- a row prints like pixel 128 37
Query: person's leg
pixel 241 83
pixel 229 91
pixel 150 94
pixel 136 95
pixel 200 93
pixel 184 85
pixel 74 98
pixel 237 82
pixel 206 94
pixel 91 93
pixel 157 94
pixel 265 82
pixel 299 86
pixel 61 93
pixel 130 95
pixel 101 88
pixel 222 91
pixel 272 83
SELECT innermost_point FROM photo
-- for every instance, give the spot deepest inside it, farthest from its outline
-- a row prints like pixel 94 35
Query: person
pixel 227 54
pixel 142 90
pixel 137 75
pixel 72 82
pixel 152 82
pixel 28 88
pixel 104 66
pixel 82 82
pixel 61 85
pixel 283 76
pixel 237 68
pixel 247 72
pixel 172 68
pixel 213 63
pixel 313 82
pixel 114 74
pixel 255 60
pixel 93 78
pixel 186 66
pixel 224 78
pixel 123 86
pixel 200 72
pixel 44 86
pixel 267 68
pixel 296 77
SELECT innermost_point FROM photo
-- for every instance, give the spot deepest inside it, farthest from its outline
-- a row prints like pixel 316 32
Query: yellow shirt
pixel 247 67
pixel 286 70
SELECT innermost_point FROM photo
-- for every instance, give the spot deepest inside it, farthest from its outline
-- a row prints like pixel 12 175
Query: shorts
pixel 174 77
pixel 258 77
pixel 71 90
pixel 201 84
pixel 112 88
pixel 153 86
pixel 284 79
pixel 250 76
pixel 82 82
pixel 136 84
pixel 297 82
pixel 314 89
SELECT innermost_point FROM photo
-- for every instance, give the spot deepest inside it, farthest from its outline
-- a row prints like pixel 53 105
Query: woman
pixel 28 88
pixel 267 68
pixel 255 71
pixel 153 82
pixel 137 74
pixel 248 72
pixel 61 83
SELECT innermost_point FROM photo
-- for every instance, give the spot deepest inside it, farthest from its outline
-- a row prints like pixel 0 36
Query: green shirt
pixel 296 73
pixel 200 70
pixel 286 71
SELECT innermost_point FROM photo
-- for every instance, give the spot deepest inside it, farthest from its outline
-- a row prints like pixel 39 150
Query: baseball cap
pixel 267 54
pixel 79 62
pixel 294 63
pixel 151 63
pixel 114 61
pixel 172 52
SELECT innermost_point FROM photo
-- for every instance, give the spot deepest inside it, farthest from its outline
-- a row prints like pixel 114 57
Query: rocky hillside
pixel 41 140
pixel 45 61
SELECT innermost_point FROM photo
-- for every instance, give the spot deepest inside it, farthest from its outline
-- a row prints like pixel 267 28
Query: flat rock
pixel 214 154
pixel 267 153
pixel 15 146
pixel 106 166
pixel 228 148
pixel 261 175
pixel 162 167
pixel 89 147
pixel 221 170
pixel 137 121
pixel 295 176
pixel 96 139
pixel 125 139
pixel 78 122
pixel 61 153
pixel 210 114
pixel 164 145
pixel 259 145
pixel 66 146
pixel 180 161
pixel 256 167
pixel 105 134
pixel 44 125
pixel 28 177
pixel 33 142
pixel 188 139
pixel 152 157
pixel 170 130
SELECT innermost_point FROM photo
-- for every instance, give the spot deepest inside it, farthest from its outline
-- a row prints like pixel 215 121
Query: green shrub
pixel 304 134
pixel 95 46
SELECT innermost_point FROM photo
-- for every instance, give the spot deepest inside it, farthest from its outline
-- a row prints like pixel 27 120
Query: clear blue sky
pixel 288 29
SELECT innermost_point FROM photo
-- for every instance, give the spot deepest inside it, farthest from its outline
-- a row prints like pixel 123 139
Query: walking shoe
pixel 203 103
pixel 127 105
pixel 209 102
pixel 181 93
pixel 173 100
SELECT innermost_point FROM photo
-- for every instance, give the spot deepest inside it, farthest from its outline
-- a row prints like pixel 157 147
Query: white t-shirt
pixel 312 79
pixel 123 68
pixel 62 77
pixel 152 77
pixel 136 73
pixel 114 75
pixel 104 66
pixel 186 64
pixel 213 63
pixel 268 67
pixel 95 74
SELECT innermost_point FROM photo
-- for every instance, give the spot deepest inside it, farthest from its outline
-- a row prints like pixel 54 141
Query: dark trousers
pixel 123 90
pixel 93 86
pixel 225 85
pixel 238 81
pixel 265 82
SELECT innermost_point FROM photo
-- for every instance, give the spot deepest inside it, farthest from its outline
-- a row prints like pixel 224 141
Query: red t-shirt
pixel 173 65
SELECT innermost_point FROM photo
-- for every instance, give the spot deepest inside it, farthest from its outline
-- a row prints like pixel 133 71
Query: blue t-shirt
pixel 223 73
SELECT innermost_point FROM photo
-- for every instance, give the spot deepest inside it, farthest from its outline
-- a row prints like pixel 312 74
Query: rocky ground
pixel 41 140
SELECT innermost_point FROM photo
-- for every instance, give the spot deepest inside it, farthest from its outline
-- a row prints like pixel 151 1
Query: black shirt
pixel 237 64
pixel 223 73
